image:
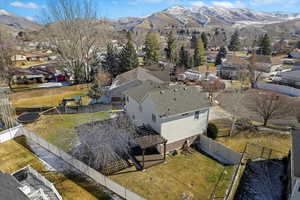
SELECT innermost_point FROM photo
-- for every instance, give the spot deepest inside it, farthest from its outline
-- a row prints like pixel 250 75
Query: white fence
pixel 9 134
pixel 83 168
pixel 280 89
pixel 218 151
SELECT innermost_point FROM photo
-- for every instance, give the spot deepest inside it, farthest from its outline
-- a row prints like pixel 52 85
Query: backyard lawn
pixel 47 97
pixel 14 156
pixel 276 141
pixel 193 175
pixel 59 129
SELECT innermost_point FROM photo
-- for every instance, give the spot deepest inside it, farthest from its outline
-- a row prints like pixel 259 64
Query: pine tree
pixel 128 56
pixel 191 62
pixel 221 54
pixel 111 61
pixel 204 40
pixel 265 46
pixel 235 43
pixel 172 48
pixel 183 57
pixel 151 48
pixel 199 54
pixel 193 41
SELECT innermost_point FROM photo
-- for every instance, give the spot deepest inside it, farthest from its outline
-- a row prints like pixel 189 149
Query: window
pixel 153 118
pixel 185 114
pixel 197 113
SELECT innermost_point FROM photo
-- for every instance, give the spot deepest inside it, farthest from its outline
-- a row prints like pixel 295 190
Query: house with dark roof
pixel 176 112
pixel 231 67
pixel 294 180
pixel 135 77
pixel 27 184
pixel 291 78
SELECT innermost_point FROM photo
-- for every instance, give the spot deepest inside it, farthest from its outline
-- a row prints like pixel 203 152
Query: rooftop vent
pixel 184 88
pixel 162 92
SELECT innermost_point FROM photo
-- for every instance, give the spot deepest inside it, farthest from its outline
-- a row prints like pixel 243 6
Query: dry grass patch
pixel 14 156
pixel 47 97
pixel 59 129
pixel 195 175
pixel 276 141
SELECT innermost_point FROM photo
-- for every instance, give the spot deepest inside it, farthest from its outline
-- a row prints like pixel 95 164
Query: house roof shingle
pixel 10 188
pixel 170 100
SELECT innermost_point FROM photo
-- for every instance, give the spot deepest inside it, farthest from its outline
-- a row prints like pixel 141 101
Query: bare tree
pixel 212 87
pixel 268 105
pixel 7 50
pixel 71 32
pixel 253 72
pixel 103 143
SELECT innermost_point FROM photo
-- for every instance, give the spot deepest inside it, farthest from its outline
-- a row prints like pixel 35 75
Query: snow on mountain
pixel 205 15
pixel 4 12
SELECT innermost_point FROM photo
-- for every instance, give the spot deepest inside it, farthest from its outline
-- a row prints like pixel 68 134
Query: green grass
pixel 14 156
pixel 59 129
pixel 193 174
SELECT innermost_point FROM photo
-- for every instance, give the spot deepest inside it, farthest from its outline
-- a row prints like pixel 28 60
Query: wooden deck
pixel 150 160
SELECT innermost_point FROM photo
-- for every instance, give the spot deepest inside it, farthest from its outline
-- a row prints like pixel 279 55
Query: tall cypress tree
pixel 199 53
pixel 193 41
pixel 265 45
pixel 111 60
pixel 128 56
pixel 235 43
pixel 172 48
pixel 221 54
pixel 151 48
pixel 204 40
pixel 183 57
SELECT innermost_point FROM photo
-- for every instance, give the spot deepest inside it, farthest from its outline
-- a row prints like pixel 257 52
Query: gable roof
pixel 10 188
pixel 170 100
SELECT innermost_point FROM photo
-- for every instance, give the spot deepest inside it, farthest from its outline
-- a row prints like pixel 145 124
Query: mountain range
pixel 204 16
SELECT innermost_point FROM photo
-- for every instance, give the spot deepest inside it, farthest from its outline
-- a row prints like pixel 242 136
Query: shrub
pixel 96 91
pixel 212 131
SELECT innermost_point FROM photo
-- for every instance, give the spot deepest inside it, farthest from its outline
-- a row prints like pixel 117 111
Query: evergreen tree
pixel 221 55
pixel 235 43
pixel 183 57
pixel 199 53
pixel 193 41
pixel 111 61
pixel 191 62
pixel 128 56
pixel 298 45
pixel 265 46
pixel 204 40
pixel 96 91
pixel 172 48
pixel 151 48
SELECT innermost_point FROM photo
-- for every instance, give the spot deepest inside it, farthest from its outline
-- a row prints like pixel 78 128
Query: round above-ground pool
pixel 28 117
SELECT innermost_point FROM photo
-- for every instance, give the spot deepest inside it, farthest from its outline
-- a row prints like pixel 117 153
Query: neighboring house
pixel 136 77
pixel 197 73
pixel 231 67
pixel 18 59
pixel 266 65
pixel 296 66
pixel 294 184
pixel 291 78
pixel 178 113
pixel 27 184
pixel 295 54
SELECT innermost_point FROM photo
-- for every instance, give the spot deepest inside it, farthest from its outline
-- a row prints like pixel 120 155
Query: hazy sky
pixel 137 8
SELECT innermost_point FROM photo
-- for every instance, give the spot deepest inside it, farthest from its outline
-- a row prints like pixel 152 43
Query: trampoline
pixel 28 117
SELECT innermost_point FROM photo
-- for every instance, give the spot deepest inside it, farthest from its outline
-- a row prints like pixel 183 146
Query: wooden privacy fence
pixel 83 168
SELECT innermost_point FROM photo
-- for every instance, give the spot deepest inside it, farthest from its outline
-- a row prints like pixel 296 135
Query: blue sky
pixel 137 8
